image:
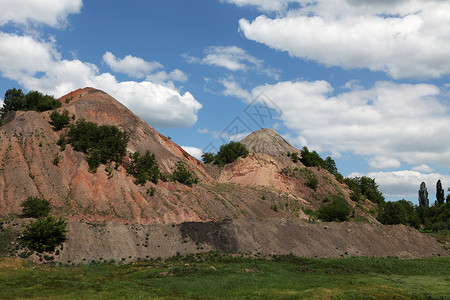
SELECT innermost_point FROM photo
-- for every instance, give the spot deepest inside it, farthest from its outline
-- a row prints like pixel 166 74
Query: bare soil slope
pixel 28 146
pixel 122 242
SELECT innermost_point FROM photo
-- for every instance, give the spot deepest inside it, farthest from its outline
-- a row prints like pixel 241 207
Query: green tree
pixel 337 210
pixel 423 195
pixel 35 207
pixel 44 234
pixel 59 120
pixel 208 157
pixel 183 175
pixel 14 100
pixel 144 168
pixel 440 194
pixel 399 212
pixel 230 152
pixel 101 144
pixel 365 186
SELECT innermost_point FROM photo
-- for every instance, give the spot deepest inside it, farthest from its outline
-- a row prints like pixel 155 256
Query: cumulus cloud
pixel 50 12
pixel 233 59
pixel 158 104
pixel 264 5
pixel 139 68
pixel 402 38
pixel 195 152
pixel 388 123
pixel 406 183
pixel 130 65
pixel 423 168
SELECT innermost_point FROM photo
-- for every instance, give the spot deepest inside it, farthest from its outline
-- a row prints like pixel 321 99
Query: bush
pixel 45 234
pixel 228 153
pixel 59 121
pixel 208 157
pixel 183 175
pixel 144 168
pixel 311 180
pixel 101 144
pixel 337 210
pixel 35 207
pixel 365 186
pixel 17 100
pixel 399 212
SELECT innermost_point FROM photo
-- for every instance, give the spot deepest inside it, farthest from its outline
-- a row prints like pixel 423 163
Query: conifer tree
pixel 439 193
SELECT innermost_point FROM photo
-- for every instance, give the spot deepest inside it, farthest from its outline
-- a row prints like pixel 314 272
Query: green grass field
pixel 220 276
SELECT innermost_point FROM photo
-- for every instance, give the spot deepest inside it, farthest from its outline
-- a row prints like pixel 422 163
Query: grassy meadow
pixel 227 276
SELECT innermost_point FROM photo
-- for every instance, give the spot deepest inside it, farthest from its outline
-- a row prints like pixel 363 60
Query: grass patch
pixel 216 276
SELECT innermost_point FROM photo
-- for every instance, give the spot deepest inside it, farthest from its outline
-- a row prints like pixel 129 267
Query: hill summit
pixel 267 141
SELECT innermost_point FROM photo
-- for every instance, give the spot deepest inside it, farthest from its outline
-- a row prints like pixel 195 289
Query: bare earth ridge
pixel 262 197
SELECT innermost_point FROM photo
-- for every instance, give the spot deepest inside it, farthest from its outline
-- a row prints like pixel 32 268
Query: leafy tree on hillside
pixel 183 175
pixel 337 210
pixel 34 100
pixel 144 168
pixel 440 194
pixel 208 157
pixel 228 153
pixel 44 234
pixel 399 212
pixel 59 120
pixel 365 186
pixel 14 100
pixel 35 207
pixel 101 144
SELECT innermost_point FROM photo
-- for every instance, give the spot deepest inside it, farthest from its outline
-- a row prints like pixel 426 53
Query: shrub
pixel 183 175
pixel 101 144
pixel 337 210
pixel 228 153
pixel 311 180
pixel 294 157
pixel 365 186
pixel 59 120
pixel 35 207
pixel 34 100
pixel 144 168
pixel 44 234
pixel 208 157
pixel 399 212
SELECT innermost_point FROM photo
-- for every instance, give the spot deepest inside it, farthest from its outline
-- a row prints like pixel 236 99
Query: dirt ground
pixel 124 242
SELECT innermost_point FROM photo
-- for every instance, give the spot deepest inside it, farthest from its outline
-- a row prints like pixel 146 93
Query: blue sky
pixel 366 82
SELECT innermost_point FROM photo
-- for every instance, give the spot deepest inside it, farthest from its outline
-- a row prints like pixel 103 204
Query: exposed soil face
pixel 122 242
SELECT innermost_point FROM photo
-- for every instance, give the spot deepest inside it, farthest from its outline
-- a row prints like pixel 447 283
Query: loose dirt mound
pixel 270 236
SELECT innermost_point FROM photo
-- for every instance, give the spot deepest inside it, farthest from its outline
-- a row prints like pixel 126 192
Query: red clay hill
pixel 265 184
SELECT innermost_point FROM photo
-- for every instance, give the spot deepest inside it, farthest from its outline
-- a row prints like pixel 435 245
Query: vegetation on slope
pixel 227 154
pixel 100 144
pixel 15 99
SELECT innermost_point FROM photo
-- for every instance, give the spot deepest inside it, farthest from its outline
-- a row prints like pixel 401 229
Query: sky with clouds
pixel 365 81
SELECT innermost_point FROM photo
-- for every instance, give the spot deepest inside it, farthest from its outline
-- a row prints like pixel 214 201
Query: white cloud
pixel 264 5
pixel 130 65
pixel 406 183
pixel 423 168
pixel 388 123
pixel 158 104
pixel 50 12
pixel 232 88
pixel 139 68
pixel 163 76
pixel 195 152
pixel 402 38
pixel 203 131
pixel 381 162
pixel 234 59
